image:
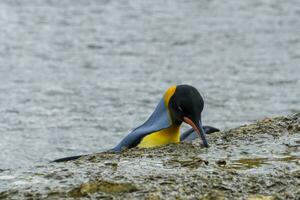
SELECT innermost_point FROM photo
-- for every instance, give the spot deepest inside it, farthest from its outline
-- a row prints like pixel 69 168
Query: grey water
pixel 76 76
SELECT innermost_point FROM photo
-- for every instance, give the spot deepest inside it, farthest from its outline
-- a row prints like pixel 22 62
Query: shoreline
pixel 255 161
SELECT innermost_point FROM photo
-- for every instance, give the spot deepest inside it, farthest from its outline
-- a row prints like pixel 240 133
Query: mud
pixel 256 161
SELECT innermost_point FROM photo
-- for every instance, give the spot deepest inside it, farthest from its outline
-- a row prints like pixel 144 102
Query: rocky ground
pixel 256 161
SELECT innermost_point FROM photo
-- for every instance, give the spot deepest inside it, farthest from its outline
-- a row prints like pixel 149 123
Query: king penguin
pixel 180 104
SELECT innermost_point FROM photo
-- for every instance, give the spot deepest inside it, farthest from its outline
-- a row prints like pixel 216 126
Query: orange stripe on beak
pixel 191 123
pixel 199 130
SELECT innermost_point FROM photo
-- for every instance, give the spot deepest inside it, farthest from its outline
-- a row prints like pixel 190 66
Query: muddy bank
pixel 256 161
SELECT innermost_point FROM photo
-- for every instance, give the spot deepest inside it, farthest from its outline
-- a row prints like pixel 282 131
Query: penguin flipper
pixel 190 134
pixel 130 141
pixel 210 129
pixel 157 121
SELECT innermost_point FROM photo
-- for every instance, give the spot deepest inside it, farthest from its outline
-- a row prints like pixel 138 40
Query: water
pixel 77 76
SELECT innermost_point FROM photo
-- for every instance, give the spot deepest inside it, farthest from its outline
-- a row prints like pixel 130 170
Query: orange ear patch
pixel 169 93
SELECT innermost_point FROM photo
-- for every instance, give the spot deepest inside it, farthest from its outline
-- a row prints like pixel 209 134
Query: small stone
pixel 152 196
pixel 213 195
pixel 221 162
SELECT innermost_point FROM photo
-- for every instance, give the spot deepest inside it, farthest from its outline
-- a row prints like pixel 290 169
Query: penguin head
pixel 186 105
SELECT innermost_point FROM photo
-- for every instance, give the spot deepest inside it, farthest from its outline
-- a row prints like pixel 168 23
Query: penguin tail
pixel 67 159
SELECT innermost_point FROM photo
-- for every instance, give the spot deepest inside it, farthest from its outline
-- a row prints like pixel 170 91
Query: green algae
pixel 248 163
pixel 101 186
pixel 261 197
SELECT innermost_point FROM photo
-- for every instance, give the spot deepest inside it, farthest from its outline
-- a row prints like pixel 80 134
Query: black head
pixel 186 105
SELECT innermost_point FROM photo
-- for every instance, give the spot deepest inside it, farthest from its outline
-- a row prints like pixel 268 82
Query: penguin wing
pixel 157 121
pixel 190 134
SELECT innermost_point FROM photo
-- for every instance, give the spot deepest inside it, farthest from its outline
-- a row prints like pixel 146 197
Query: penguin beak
pixel 197 126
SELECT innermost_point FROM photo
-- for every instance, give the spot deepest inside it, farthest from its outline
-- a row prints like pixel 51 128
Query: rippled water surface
pixel 77 76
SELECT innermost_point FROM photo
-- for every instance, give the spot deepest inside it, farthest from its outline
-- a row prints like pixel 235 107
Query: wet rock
pixel 213 195
pixel 153 196
pixel 190 163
